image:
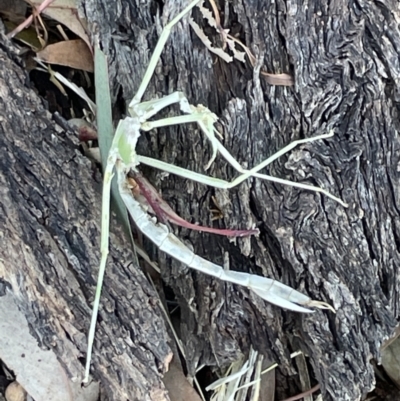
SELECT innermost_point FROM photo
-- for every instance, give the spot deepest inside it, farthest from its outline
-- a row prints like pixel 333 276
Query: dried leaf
pixel 231 43
pixel 272 79
pixel 28 21
pixel 179 389
pixel 56 76
pixel 278 79
pixel 65 12
pixel 37 370
pixel 202 36
pixel 215 23
pixel 207 14
pixel 70 53
pixel 28 36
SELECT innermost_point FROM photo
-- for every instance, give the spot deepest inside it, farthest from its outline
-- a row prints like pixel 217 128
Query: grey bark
pixel 49 251
pixel 344 58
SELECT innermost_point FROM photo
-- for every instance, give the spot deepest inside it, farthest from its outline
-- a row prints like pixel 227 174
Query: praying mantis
pixel 122 158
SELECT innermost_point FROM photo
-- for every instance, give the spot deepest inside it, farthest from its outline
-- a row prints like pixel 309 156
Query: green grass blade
pixel 105 136
pixel 105 131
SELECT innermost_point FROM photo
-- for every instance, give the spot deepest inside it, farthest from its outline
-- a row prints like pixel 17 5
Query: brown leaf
pixel 178 387
pixel 65 12
pixel 278 79
pixel 70 53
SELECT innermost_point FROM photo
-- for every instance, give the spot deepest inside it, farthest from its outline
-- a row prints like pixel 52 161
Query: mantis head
pixel 125 140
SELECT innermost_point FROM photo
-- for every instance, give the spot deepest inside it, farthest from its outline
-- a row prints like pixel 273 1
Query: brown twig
pixel 29 20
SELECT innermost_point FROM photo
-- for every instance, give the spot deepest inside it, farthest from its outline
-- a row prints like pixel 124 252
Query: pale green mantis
pixel 123 157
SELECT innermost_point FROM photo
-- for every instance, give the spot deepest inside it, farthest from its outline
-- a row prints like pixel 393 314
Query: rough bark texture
pixel 344 58
pixel 49 250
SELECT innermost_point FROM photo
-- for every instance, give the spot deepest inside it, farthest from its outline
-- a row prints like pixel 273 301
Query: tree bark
pixel 343 56
pixel 49 253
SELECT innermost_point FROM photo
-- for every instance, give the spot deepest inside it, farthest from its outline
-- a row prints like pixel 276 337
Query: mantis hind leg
pixel 245 174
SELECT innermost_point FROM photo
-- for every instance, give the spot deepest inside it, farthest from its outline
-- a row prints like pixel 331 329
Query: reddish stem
pixel 164 212
pixel 29 20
